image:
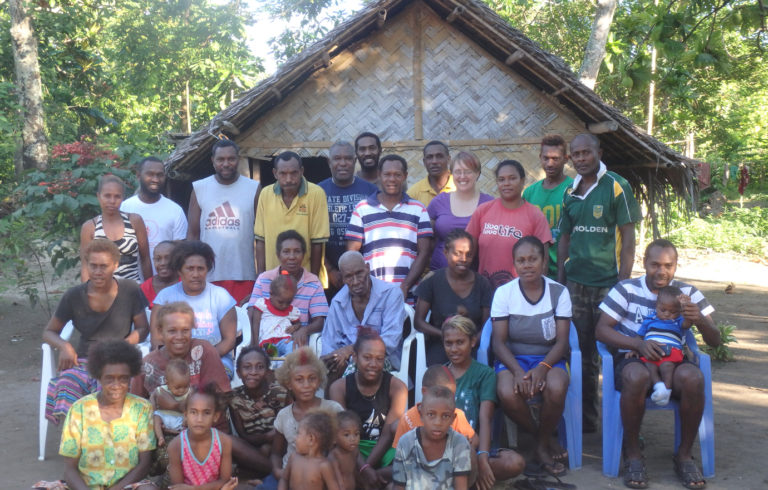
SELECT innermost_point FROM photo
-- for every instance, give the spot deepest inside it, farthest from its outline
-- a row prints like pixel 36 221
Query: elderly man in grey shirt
pixel 363 301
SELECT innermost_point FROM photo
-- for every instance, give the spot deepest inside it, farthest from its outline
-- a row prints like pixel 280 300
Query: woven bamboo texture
pixel 466 96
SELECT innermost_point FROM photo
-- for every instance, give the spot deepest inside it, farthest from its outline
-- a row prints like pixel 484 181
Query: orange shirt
pixel 412 419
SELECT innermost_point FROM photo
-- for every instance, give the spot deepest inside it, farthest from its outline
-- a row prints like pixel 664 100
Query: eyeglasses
pixel 464 173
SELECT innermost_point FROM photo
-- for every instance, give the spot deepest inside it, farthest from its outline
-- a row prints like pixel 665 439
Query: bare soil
pixel 740 388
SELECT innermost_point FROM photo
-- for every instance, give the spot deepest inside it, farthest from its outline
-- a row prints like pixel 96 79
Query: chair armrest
pixel 607 359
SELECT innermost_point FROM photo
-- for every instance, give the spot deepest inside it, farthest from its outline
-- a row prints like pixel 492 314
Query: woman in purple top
pixel 452 210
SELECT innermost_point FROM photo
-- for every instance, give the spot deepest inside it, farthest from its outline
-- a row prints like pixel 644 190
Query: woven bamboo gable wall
pixel 416 79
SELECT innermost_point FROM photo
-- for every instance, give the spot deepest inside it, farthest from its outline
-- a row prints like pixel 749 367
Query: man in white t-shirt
pixel 163 218
pixel 623 310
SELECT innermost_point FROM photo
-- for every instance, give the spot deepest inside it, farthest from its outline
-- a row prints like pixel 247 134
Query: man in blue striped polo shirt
pixel 391 230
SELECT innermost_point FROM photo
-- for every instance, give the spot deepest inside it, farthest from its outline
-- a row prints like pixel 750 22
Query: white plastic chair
pixel 417 373
pixel 244 328
pixel 47 372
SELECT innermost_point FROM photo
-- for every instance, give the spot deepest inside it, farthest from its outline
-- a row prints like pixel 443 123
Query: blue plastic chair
pixel 613 430
pixel 569 429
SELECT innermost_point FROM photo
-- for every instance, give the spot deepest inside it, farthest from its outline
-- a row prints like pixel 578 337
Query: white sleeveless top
pixel 226 224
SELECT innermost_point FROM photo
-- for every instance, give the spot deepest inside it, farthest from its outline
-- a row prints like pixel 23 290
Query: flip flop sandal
pixel 635 474
pixel 689 474
pixel 543 484
pixel 557 469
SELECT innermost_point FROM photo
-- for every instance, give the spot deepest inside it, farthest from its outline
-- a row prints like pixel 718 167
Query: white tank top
pixel 226 224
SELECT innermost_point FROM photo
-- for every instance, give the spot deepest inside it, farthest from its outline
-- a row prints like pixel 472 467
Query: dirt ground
pixel 740 388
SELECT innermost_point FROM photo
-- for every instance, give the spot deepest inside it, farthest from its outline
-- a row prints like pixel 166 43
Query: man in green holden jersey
pixel 547 194
pixel 596 250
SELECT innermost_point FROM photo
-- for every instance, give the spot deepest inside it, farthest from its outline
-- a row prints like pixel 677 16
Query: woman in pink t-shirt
pixel 497 225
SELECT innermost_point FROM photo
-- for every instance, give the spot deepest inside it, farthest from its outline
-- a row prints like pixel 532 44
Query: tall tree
pixel 595 51
pixel 34 151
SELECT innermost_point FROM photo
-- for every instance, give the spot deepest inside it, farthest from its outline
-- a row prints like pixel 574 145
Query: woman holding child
pixel 103 308
pixel 309 297
pixel 531 318
pixel 378 398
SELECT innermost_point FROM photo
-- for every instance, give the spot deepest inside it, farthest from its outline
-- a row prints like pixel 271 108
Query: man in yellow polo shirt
pixel 291 203
pixel 438 179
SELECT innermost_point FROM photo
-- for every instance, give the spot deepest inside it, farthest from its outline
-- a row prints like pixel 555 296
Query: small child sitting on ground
pixel 433 456
pixel 344 455
pixel 436 375
pixel 308 468
pixel 168 400
pixel 665 327
pixel 275 319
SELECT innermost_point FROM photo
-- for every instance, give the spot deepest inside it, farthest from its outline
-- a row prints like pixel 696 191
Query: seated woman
pixel 165 275
pixel 107 437
pixel 454 289
pixel 175 324
pixel 309 299
pixel 253 408
pixel 379 399
pixel 103 308
pixel 215 316
pixel 126 230
pixel 476 396
pixel 531 317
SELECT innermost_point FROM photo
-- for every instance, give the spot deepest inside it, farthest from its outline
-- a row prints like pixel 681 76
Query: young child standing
pixel 168 400
pixel 433 456
pixel 201 457
pixel 303 373
pixel 436 375
pixel 665 326
pixel 344 455
pixel 275 318
pixel 307 468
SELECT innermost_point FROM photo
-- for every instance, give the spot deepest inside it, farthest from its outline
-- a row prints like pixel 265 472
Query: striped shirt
pixel 309 299
pixel 389 237
pixel 630 301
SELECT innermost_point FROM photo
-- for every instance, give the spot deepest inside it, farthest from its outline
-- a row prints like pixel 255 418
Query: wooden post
pixel 418 77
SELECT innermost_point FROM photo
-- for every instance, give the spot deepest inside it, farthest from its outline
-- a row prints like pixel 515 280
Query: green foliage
pixel 118 71
pixel 711 78
pixel 54 203
pixel 743 231
pixel 723 351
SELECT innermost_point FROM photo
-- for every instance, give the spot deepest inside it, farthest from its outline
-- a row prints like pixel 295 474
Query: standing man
pixel 438 179
pixel 368 151
pixel 292 203
pixel 343 190
pixel 222 209
pixel 623 311
pixel 547 194
pixel 392 230
pixel 163 218
pixel 596 250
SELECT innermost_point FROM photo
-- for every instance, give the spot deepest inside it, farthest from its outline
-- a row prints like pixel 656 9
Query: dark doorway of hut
pixel 315 170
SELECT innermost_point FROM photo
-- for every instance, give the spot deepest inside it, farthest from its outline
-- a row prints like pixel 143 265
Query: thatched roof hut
pixel 416 70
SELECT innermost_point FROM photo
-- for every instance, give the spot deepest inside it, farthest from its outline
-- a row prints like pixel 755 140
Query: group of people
pixel 339 259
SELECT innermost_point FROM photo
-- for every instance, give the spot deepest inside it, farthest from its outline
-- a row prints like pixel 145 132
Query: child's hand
pixel 632 355
pixel 160 441
pixel 231 484
pixel 295 325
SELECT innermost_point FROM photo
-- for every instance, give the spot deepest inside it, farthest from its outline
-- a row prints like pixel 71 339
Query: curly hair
pixel 300 357
pixel 177 367
pixel 175 307
pixel 348 416
pixel 189 248
pixel 321 424
pixel 102 245
pixel 210 390
pixel 108 352
pixel 365 334
pixel 247 350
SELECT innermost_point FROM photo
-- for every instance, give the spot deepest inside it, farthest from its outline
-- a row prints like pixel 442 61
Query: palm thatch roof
pixel 658 173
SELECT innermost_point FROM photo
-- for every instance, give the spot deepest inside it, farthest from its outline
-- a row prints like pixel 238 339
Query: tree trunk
pixel 595 52
pixel 24 45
